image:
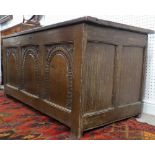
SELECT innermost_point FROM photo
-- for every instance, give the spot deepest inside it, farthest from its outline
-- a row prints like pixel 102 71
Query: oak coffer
pixel 84 73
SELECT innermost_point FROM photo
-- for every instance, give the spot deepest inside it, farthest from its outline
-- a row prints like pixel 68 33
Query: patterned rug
pixel 18 121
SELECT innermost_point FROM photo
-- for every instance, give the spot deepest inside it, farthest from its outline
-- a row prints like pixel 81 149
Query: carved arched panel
pixel 12 67
pixel 30 70
pixel 59 75
pixel 58 80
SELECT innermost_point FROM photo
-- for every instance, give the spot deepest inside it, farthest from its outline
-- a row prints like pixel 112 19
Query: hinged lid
pixel 88 20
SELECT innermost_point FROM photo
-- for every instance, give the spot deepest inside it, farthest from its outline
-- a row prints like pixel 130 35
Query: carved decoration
pixel 66 51
pixel 12 51
pixel 33 51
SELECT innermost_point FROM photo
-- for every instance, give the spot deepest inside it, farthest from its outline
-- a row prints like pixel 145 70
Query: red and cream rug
pixel 18 121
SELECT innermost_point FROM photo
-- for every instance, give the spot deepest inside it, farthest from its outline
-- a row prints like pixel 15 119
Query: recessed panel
pixel 131 64
pixel 58 80
pixel 30 75
pixel 98 76
pixel 12 70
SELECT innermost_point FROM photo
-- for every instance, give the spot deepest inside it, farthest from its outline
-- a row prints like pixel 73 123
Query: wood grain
pixel 98 76
pixel 84 74
pixel 131 73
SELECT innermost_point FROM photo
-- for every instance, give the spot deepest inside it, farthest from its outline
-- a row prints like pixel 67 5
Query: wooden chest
pixel 84 73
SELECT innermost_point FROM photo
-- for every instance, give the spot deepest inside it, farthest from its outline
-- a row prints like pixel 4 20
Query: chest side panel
pixel 113 68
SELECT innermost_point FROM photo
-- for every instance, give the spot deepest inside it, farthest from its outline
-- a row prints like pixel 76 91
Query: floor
pixel 21 122
pixel 146 118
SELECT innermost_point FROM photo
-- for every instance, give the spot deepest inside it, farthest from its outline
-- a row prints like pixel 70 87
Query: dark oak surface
pixel 85 73
pixel 11 30
pixel 88 20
